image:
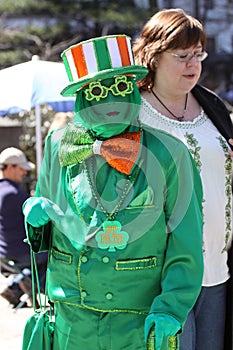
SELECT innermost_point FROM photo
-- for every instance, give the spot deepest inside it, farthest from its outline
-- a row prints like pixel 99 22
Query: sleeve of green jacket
pixel 183 265
pixel 39 238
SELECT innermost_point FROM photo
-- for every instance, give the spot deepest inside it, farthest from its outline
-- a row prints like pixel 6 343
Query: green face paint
pixel 108 107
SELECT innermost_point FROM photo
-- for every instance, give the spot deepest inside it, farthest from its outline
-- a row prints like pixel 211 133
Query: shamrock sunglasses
pixel 121 87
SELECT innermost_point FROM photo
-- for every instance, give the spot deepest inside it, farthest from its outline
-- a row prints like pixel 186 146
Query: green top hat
pixel 99 58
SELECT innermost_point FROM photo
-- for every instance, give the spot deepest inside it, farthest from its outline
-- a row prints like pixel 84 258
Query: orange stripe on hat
pixel 79 61
pixel 124 51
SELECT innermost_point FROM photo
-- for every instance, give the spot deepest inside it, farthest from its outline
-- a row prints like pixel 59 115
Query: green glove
pixel 165 326
pixel 38 211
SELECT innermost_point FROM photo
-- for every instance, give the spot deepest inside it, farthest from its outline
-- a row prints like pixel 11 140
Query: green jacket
pixel 160 269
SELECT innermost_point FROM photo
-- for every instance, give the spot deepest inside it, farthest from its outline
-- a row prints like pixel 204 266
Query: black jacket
pixel 215 109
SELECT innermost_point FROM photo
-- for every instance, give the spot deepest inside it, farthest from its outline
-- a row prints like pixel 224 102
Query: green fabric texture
pixel 38 332
pixel 39 328
pixel 75 139
pixel 92 115
pixel 145 198
pixel 100 46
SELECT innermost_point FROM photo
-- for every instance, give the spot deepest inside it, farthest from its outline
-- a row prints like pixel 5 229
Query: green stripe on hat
pixel 102 55
pixel 67 67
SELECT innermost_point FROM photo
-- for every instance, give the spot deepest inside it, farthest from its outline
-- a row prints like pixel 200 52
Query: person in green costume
pixel 120 210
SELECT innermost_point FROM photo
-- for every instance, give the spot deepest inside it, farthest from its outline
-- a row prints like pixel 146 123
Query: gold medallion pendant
pixel 112 237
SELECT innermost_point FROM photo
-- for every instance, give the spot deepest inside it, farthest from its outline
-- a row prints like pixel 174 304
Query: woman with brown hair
pixel 172 47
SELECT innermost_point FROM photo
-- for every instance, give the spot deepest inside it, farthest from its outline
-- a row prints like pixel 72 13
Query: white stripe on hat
pixel 90 57
pixel 72 66
pixel 130 51
pixel 114 52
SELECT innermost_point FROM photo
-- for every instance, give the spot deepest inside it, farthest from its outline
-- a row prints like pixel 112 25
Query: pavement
pixel 12 322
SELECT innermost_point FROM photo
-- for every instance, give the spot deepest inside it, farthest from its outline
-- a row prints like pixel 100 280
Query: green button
pixel 105 259
pixel 83 294
pixel 84 259
pixel 109 296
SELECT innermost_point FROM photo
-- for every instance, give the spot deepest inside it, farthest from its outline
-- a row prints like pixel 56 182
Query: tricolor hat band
pixel 96 55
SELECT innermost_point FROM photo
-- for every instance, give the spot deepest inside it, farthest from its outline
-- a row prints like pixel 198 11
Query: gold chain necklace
pixel 180 119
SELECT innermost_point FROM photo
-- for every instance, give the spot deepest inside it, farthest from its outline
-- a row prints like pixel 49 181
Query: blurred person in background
pixel 172 46
pixel 14 252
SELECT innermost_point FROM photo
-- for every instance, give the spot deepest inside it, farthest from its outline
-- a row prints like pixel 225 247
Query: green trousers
pixel 82 329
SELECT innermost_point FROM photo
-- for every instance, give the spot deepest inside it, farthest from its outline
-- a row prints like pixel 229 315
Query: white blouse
pixel 209 150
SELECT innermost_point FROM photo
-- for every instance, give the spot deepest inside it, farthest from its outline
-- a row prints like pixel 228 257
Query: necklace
pixel 125 191
pixel 111 237
pixel 180 119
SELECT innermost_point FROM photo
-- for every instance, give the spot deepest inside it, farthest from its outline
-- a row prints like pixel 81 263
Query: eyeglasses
pixel 97 91
pixel 186 57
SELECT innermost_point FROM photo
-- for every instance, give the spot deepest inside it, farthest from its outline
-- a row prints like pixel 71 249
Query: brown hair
pixel 167 29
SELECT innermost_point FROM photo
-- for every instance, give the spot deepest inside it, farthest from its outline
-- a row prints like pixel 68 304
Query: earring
pixel 156 60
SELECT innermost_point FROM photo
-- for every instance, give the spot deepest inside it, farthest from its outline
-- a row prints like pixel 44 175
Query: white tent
pixel 30 84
